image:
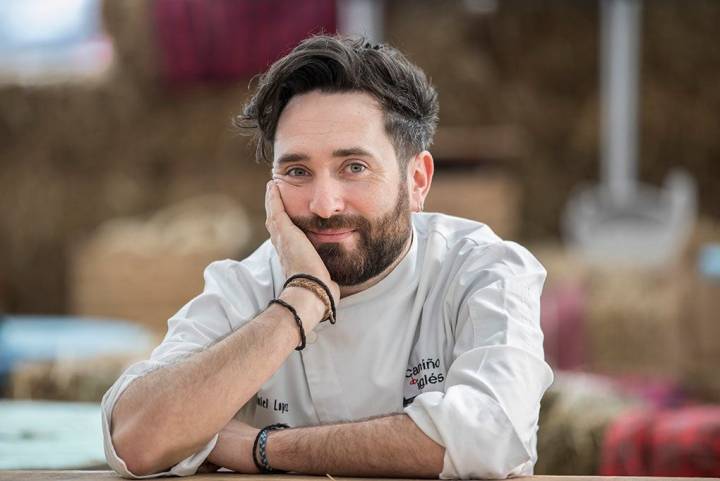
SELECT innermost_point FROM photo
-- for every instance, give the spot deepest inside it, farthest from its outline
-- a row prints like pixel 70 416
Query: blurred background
pixel 587 131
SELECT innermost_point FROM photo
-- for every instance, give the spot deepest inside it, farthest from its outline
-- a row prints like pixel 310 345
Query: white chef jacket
pixel 451 337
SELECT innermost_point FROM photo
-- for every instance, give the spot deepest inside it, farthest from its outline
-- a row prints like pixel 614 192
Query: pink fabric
pixel 562 320
pixel 660 393
pixel 226 40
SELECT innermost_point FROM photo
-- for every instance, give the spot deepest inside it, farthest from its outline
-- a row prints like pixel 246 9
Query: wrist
pixel 320 289
pixel 260 454
pixel 308 306
pixel 279 457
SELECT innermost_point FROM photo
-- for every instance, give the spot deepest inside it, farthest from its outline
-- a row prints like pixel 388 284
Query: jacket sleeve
pixel 487 417
pixel 227 301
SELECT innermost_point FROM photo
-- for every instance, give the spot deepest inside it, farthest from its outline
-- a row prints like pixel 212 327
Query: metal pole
pixel 620 41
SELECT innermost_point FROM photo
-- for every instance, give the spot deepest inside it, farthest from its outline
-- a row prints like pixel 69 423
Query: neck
pixel 346 291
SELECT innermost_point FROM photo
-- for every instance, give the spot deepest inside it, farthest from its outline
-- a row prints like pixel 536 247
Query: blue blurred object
pixel 45 338
pixel 50 435
pixel 709 261
pixel 58 435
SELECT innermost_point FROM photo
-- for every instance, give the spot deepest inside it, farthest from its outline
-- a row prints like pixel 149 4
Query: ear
pixel 420 173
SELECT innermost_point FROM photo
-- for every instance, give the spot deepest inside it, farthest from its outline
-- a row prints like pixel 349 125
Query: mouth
pixel 330 235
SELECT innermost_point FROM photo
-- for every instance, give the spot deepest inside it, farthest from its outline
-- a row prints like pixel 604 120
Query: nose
pixel 327 198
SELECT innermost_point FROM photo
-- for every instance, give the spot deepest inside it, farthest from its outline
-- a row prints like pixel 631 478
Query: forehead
pixel 316 124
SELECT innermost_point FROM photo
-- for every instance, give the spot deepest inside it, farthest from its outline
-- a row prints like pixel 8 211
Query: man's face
pixel 342 184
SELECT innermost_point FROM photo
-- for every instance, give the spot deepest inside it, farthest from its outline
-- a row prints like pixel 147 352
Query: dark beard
pixel 379 244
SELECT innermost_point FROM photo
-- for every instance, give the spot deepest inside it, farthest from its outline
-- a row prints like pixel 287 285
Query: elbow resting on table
pixel 138 460
pixel 142 450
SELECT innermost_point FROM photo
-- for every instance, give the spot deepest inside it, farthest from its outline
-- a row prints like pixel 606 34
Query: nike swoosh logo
pixel 408 401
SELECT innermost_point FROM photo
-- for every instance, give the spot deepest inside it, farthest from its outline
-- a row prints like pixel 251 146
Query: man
pixel 434 366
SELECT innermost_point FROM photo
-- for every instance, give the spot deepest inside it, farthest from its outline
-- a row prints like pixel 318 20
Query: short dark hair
pixel 343 64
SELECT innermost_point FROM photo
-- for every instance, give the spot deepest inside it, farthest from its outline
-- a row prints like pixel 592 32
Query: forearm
pixel 390 446
pixel 171 413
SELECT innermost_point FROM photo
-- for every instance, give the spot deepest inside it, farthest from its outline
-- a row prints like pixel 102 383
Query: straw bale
pixel 493 199
pixel 574 414
pixel 144 270
pixel 68 379
pixel 634 320
pixel 633 315
pixel 129 23
pixel 563 266
pixel 700 342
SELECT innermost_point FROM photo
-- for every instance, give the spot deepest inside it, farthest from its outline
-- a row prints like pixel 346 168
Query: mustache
pixel 316 223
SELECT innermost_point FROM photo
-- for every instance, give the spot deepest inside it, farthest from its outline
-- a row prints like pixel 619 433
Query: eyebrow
pixel 288 158
pixel 347 152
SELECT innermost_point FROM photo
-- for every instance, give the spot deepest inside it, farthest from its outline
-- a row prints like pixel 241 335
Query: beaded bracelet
pixel 260 447
pixel 298 321
pixel 333 313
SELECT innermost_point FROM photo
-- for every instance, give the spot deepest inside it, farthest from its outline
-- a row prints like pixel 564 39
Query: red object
pixel 225 40
pixel 626 445
pixel 682 442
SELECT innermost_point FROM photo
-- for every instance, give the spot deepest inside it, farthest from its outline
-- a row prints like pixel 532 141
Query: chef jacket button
pixel 311 337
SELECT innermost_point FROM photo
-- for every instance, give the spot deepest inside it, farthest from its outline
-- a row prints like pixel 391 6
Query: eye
pixel 356 168
pixel 296 172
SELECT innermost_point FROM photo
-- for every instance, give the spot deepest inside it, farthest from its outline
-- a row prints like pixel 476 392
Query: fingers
pixel 270 214
pixel 273 200
pixel 268 211
pixel 277 219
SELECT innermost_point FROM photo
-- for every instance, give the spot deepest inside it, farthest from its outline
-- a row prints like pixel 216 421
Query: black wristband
pixel 333 312
pixel 297 320
pixel 261 441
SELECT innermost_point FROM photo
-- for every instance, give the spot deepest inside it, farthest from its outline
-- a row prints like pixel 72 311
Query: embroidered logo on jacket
pixel 424 373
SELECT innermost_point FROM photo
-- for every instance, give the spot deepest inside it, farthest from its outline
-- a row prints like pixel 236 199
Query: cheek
pixel 295 199
pixel 371 199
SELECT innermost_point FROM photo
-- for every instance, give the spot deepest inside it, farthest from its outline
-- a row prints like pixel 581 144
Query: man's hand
pixel 297 254
pixel 233 449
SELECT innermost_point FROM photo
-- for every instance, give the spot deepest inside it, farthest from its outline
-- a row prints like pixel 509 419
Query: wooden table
pixel 109 475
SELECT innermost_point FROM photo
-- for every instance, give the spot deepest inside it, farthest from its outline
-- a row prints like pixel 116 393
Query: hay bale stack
pixel 144 270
